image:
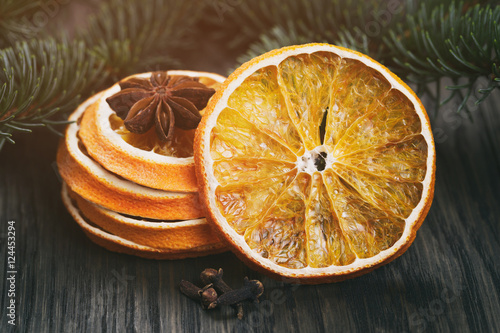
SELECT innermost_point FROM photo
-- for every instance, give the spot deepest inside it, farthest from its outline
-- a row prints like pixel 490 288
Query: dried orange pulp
pixel 315 163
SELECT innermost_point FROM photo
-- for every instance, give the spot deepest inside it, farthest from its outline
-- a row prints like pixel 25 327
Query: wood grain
pixel 446 282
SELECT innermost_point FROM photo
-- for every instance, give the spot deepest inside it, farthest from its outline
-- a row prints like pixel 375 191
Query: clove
pixel 206 295
pixel 251 290
pixel 214 277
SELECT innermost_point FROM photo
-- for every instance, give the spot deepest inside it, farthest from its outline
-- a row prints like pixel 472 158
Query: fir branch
pixel 131 36
pixel 422 44
pixel 457 41
pixel 14 16
pixel 276 38
pixel 337 22
pixel 249 21
pixel 41 80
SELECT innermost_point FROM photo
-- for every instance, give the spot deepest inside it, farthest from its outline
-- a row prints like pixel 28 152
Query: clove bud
pixel 214 277
pixel 251 290
pixel 206 295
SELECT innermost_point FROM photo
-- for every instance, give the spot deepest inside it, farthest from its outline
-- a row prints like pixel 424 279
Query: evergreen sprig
pixel 422 42
pixel 344 23
pixel 131 36
pixel 248 21
pixel 450 41
pixel 42 79
pixel 13 17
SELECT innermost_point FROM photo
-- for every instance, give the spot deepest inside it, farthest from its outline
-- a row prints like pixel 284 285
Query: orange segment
pixel 240 138
pixel 280 235
pixel 355 87
pixel 322 208
pixel 401 161
pixel 249 170
pixel 326 244
pixel 368 229
pixel 392 120
pixel 307 100
pixel 258 99
pixel 396 198
pixel 243 204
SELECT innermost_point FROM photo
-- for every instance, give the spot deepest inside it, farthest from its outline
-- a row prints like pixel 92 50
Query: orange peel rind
pixel 118 244
pixel 167 235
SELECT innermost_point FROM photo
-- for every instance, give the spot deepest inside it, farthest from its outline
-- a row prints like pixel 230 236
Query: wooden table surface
pixel 448 280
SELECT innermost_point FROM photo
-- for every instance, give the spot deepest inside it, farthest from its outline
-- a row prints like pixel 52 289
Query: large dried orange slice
pixel 142 158
pixel 94 183
pixel 119 244
pixel 315 163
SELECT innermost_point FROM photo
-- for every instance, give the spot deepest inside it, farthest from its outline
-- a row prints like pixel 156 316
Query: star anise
pixel 164 101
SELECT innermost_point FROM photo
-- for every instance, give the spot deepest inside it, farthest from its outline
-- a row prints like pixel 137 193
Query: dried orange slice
pixel 118 244
pixel 94 183
pixel 166 235
pixel 315 163
pixel 142 158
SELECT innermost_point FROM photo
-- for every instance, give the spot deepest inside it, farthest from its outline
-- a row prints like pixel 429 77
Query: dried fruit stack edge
pixel 128 199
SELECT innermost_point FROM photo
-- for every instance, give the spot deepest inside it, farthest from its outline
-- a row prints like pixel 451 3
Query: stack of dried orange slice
pixel 133 193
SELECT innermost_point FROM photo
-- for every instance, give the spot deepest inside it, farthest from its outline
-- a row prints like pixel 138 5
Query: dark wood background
pixel 448 280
